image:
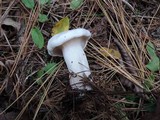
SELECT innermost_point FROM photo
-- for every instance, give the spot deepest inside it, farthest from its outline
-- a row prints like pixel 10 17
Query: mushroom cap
pixel 55 43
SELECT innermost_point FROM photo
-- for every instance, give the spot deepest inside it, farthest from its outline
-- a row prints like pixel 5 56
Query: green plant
pixel 149 82
pixel 48 69
pixel 29 3
pixel 153 65
pixel 42 2
pixel 75 4
pixel 42 18
pixel 36 33
pixel 37 37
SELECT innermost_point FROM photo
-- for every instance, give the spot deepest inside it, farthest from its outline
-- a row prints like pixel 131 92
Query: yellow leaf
pixel 110 52
pixel 60 26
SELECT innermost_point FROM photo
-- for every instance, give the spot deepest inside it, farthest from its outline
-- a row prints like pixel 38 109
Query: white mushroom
pixel 70 45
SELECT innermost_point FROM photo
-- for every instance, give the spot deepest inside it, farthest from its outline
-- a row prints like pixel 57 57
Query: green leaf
pixel 151 49
pixel 39 75
pixel 149 81
pixel 42 2
pixel 42 18
pixel 154 64
pixel 37 37
pixel 28 3
pixel 49 68
pixel 75 4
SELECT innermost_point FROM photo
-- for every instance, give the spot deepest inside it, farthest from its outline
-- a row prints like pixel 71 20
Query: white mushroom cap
pixel 57 41
pixel 70 45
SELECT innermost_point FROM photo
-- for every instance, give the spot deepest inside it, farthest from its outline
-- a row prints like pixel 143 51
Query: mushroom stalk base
pixel 77 64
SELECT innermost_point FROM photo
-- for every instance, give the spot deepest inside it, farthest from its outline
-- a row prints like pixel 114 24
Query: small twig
pixel 128 4
pixel 8 42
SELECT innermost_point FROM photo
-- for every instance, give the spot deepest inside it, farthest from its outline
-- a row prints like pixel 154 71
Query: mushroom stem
pixel 77 63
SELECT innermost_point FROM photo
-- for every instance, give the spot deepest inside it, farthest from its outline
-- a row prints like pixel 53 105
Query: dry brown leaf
pixel 9 63
pixel 11 22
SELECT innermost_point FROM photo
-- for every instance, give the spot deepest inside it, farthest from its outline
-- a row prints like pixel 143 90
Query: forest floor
pixel 123 54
